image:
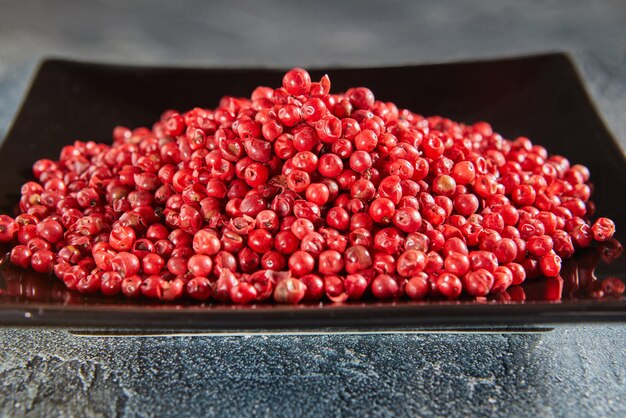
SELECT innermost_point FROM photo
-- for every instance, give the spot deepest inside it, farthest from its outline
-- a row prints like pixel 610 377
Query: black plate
pixel 541 97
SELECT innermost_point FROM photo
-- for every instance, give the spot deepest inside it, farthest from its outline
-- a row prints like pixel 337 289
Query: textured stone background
pixel 572 371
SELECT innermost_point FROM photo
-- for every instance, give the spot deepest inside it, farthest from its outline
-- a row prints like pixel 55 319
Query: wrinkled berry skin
pixel 298 194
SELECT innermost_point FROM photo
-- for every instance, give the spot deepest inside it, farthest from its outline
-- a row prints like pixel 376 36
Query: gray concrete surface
pixel 572 371
pixel 568 372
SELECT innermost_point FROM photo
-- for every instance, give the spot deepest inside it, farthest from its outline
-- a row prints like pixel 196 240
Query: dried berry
pixel 297 194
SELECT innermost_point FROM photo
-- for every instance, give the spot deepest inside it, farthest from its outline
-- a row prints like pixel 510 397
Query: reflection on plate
pixel 578 281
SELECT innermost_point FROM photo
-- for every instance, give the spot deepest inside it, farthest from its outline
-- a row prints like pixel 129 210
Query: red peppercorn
pixel 581 235
pixel 131 286
pixel 389 240
pixel 502 279
pixel 273 260
pixel 249 261
pixel 314 287
pixel 199 288
pixel 454 245
pixel 126 264
pixel 170 290
pixel 221 288
pixel 328 129
pixel 603 229
pixel 463 172
pixel 417 287
pixel 290 291
pixel 260 240
pixel 410 263
pixel 150 285
pixel 385 286
pixel 334 185
pixel 42 261
pixel 444 185
pixel 317 193
pixel 360 161
pixel 152 264
pixel 122 238
pixel 51 231
pixel 483 260
pixel 20 256
pixel 408 219
pixel 243 293
pixel 478 282
pixel 449 285
pixel 355 286
pixel 313 110
pixel 301 263
pixel 518 272
pixel 384 263
pixel 366 140
pixel 330 165
pixel 357 258
pixel 330 262
pixel 297 82
pixel 457 263
pixel 206 242
pixel 539 245
pixel 382 210
pixel 111 283
pixel 466 204
pixel 505 250
pixel 313 243
pixel 550 265
pixel 200 265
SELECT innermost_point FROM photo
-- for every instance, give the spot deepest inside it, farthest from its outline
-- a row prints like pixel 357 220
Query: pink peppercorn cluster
pixel 297 194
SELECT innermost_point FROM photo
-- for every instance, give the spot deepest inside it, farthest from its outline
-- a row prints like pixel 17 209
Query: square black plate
pixel 541 97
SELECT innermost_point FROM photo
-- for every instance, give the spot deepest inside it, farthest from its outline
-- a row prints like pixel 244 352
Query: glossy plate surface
pixel 540 97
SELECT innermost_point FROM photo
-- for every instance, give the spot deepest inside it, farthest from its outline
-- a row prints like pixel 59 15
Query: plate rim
pixel 31 314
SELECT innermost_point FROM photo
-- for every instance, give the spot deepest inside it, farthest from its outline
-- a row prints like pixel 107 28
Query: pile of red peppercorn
pixel 297 194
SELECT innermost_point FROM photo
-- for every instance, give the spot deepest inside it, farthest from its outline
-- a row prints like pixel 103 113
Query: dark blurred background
pixel 314 33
